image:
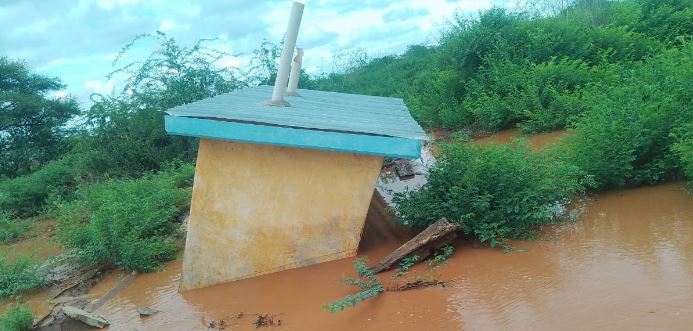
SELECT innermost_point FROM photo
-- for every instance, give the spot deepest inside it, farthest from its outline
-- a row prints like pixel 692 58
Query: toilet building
pixel 284 187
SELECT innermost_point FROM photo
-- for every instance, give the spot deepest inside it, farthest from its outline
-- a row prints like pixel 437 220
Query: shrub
pixel 26 195
pixel 666 20
pixel 493 192
pixel 385 76
pixel 433 102
pixel 129 144
pixel 558 91
pixel 541 97
pixel 469 42
pixel 625 138
pixel 499 93
pixel 684 149
pixel 19 275
pixel 17 318
pixel 127 222
pixel 10 229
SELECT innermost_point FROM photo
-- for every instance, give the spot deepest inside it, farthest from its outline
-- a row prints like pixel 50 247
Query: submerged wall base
pixel 258 209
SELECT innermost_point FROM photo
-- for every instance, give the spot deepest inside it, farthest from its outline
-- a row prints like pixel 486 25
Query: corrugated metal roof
pixel 314 110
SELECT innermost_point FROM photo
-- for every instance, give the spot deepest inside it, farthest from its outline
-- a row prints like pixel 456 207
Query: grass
pixel 19 275
pixel 128 223
pixel 10 228
pixel 17 318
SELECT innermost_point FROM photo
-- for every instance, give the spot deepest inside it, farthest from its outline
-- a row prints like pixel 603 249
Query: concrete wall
pixel 258 209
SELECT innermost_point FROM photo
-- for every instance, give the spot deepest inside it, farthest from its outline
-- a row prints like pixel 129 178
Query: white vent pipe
pixel 287 53
pixel 295 72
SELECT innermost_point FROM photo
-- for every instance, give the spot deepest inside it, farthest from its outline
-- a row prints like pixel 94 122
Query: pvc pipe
pixel 287 52
pixel 295 72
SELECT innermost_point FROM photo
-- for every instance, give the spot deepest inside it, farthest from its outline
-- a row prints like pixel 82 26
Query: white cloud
pixel 109 4
pixel 232 62
pixel 97 86
pixel 76 40
pixel 426 26
pixel 167 25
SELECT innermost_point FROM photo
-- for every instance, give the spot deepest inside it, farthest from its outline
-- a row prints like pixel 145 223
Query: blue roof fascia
pixel 294 137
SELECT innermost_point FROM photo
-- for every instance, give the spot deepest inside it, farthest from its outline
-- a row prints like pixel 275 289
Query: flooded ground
pixel 40 244
pixel 627 264
pixel 295 297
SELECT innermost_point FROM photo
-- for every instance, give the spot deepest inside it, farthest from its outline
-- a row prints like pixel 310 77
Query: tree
pixel 32 124
pixel 124 134
pixel 263 64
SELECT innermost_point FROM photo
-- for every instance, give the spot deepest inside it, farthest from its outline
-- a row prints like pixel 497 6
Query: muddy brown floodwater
pixel 627 264
pixel 40 245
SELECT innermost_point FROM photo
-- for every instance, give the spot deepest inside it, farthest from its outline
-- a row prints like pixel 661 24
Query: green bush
pixel 433 102
pixel 665 20
pixel 17 318
pixel 128 143
pixel 10 229
pixel 527 69
pixel 494 192
pixel 541 97
pixel 128 222
pixel 500 93
pixel 386 76
pixel 625 138
pixel 469 42
pixel 684 149
pixel 19 275
pixel 26 195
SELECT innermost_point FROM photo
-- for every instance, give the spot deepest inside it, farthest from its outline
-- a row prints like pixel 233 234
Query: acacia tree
pixel 124 133
pixel 32 124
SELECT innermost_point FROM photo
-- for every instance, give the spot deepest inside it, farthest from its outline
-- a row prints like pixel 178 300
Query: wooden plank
pixel 423 244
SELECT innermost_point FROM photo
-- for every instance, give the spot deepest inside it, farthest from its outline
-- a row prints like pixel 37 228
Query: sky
pixel 77 40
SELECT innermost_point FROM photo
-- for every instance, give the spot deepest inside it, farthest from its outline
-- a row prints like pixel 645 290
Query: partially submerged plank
pixel 424 244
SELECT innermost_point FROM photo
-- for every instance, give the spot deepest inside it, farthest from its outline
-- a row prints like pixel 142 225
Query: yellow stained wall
pixel 258 209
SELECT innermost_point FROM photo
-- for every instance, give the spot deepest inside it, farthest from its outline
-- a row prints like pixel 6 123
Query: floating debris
pixel 267 320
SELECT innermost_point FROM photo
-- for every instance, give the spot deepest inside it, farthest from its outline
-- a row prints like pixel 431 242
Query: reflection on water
pixel 627 264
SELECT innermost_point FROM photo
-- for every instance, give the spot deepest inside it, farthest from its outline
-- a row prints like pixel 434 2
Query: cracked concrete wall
pixel 258 209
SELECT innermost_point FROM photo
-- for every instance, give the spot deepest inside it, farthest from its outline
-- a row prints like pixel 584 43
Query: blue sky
pixel 76 40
